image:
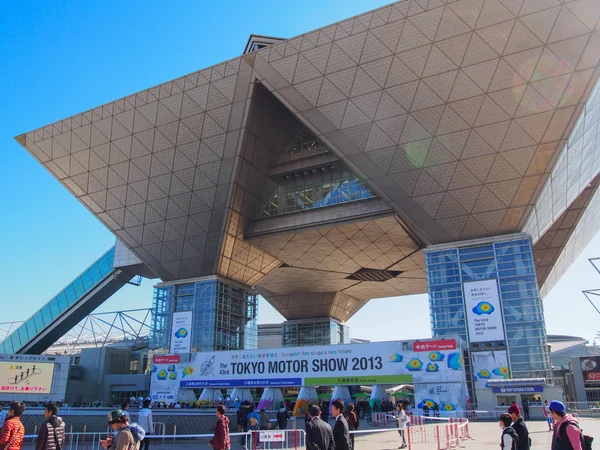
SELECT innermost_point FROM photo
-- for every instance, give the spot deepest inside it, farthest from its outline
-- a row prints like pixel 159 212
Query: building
pixel 414 148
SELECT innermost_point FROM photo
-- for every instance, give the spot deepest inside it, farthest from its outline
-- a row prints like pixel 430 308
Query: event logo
pixel 436 356
pixel 208 367
pixel 455 361
pixel 181 333
pixel 448 407
pixel 171 368
pixel 395 357
pixel 188 371
pixel 432 367
pixel 485 374
pixel 483 308
pixel 427 402
pixel 414 364
pixel 501 371
pixel 162 374
pixel 173 376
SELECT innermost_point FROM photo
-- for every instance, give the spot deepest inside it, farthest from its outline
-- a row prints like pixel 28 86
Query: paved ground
pixel 485 436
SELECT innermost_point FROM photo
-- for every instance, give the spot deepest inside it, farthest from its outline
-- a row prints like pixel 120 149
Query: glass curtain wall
pixel 511 264
pixel 224 316
pixel 315 332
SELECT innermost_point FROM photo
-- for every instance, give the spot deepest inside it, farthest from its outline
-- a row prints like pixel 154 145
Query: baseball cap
pixel 557 407
pixel 514 409
pixel 115 415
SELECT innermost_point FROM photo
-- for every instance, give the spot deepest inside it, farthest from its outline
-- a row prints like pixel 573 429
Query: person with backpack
pixel 242 421
pixel 52 431
pixel 129 436
pixel 509 437
pixel 519 426
pixel 221 440
pixel 253 424
pixel 283 416
pixel 567 434
pixel 13 431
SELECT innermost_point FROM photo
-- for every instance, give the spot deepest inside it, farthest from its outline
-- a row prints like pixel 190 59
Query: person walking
pixel 341 435
pixel 526 409
pixel 283 416
pixel 319 435
pixel 129 436
pixel 520 427
pixel 264 419
pixel 253 424
pixel 13 431
pixel 547 414
pixel 509 437
pixel 221 440
pixel 402 421
pixel 352 419
pixel 146 422
pixel 52 431
pixel 567 434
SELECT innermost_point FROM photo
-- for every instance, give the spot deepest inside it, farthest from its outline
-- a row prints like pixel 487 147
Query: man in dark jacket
pixel 318 433
pixel 242 420
pixel 520 427
pixel 282 417
pixel 341 434
pixel 52 431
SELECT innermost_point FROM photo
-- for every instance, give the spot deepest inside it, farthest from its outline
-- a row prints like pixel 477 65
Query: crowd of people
pixel 567 434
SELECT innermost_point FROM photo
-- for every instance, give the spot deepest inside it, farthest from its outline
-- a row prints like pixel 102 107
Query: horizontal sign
pixel 592 376
pixel 164 396
pixel 516 389
pixel 370 363
pixel 428 346
pixel 271 436
pixel 167 359
pixel 26 377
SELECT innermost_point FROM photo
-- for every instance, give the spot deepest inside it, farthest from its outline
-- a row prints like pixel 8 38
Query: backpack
pixel 586 441
pixel 253 421
pixel 510 431
pixel 136 431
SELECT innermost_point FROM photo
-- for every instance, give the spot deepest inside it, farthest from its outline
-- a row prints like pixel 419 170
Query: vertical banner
pixel 181 327
pixel 490 365
pixel 484 315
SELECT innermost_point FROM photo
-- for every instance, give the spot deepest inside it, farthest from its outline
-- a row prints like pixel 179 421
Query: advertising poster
pixel 491 365
pixel 26 377
pixel 590 367
pixel 446 397
pixel 484 315
pixel 181 338
pixel 164 396
pixel 353 364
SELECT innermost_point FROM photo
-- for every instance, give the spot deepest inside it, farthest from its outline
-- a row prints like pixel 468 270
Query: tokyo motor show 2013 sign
pixel 484 314
pixel 372 363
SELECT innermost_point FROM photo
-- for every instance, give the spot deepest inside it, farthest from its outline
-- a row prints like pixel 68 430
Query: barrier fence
pixel 445 433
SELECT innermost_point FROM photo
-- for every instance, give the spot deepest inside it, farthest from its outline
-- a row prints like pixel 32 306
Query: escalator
pixel 71 305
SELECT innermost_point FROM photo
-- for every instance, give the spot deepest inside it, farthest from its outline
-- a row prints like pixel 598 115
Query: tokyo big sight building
pixel 411 149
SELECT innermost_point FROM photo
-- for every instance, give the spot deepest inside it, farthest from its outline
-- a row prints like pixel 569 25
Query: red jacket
pixel 221 439
pixel 12 433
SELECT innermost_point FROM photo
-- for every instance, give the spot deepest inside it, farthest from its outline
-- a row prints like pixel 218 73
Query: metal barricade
pixel 277 440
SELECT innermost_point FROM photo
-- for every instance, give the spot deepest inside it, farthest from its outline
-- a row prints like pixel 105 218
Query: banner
pixel 169 396
pixel 26 378
pixel 517 389
pixel 353 364
pixel 443 398
pixel 590 367
pixel 438 344
pixel 181 337
pixel 491 365
pixel 484 315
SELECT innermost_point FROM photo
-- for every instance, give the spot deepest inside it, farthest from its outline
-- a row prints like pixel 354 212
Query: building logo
pixel 483 308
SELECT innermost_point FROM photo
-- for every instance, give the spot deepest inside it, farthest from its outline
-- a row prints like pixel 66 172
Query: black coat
pixel 341 434
pixel 523 433
pixel 319 435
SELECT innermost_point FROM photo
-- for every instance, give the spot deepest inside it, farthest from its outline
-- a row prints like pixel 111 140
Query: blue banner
pixel 268 382
pixel 517 389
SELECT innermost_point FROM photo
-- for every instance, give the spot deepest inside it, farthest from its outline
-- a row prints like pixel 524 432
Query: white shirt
pixel 507 440
pixel 145 420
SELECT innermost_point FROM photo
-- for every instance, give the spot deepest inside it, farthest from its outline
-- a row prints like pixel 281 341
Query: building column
pixel 317 331
pixel 271 399
pixel 486 292
pixel 306 396
pixel 341 393
pixel 378 395
pixel 211 395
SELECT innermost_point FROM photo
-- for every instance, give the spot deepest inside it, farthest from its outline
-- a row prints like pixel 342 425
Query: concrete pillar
pixel 306 396
pixel 271 399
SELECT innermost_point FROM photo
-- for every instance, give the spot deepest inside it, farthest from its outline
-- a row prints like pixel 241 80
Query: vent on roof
pixel 373 275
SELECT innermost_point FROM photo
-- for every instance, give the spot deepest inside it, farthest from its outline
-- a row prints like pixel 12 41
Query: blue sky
pixel 60 58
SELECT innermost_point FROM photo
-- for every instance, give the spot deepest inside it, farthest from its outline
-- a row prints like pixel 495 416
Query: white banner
pixel 489 366
pixel 445 398
pixel 484 315
pixel 181 336
pixel 169 396
pixel 353 364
